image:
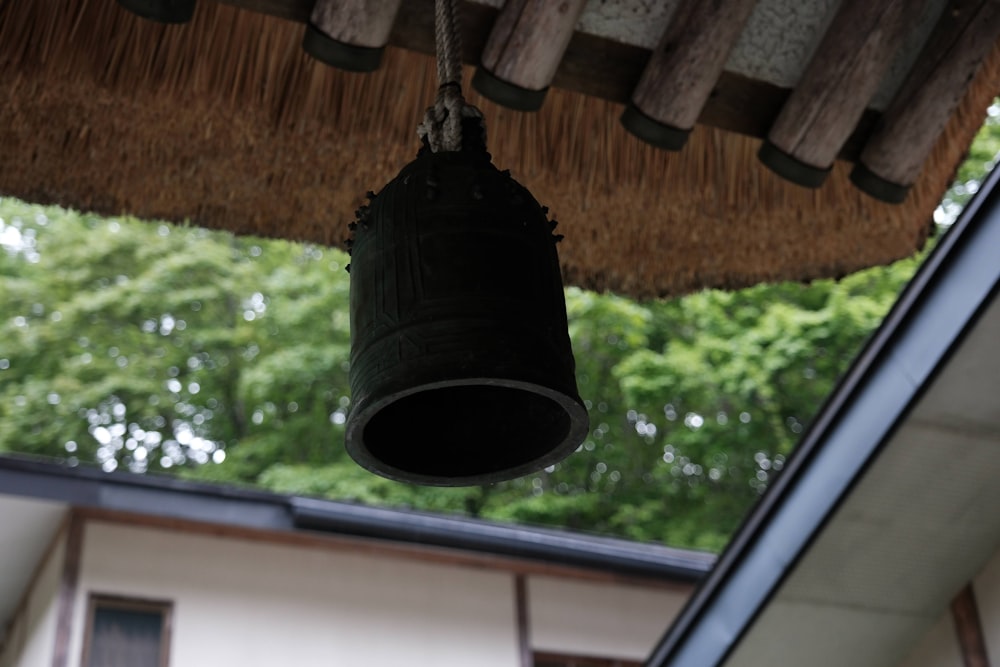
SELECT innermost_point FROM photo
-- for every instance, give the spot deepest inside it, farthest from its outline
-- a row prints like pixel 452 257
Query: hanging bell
pixel 461 367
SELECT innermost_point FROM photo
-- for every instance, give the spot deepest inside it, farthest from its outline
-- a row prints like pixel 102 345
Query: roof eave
pixel 930 318
pixel 171 498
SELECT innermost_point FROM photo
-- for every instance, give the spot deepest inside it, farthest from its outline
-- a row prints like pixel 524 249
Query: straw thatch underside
pixel 226 123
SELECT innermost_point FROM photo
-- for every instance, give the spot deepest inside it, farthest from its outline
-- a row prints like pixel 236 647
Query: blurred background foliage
pixel 154 348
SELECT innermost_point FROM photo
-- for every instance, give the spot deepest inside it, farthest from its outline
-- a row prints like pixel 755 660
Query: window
pixel 558 660
pixel 126 632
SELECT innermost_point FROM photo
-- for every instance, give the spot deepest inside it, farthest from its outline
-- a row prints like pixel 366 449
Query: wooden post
pixel 896 151
pixel 68 585
pixel 523 622
pixel 683 69
pixel 969 629
pixel 838 83
pixel 350 34
pixel 523 51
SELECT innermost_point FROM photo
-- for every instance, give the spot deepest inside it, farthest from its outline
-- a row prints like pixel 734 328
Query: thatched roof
pixel 226 122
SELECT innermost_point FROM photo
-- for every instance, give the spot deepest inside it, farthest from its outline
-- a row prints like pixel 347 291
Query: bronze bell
pixel 461 367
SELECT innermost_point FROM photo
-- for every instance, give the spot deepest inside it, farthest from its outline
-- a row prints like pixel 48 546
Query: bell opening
pixel 473 431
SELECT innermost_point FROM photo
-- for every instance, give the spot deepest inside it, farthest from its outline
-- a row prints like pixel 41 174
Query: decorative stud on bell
pixel 461 367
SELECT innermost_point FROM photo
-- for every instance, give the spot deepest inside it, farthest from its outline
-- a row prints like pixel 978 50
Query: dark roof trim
pixel 153 495
pixel 553 546
pixel 168 497
pixel 931 316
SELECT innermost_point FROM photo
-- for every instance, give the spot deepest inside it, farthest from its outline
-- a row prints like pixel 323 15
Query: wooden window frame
pixel 126 603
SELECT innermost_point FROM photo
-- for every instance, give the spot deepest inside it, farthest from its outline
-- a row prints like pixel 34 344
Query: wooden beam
pixel 358 22
pixel 524 49
pixel 969 629
pixel 894 155
pixel 350 34
pixel 66 598
pixel 591 65
pixel 683 70
pixel 835 88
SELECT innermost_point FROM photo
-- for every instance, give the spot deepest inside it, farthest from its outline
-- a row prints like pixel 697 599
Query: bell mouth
pixel 466 432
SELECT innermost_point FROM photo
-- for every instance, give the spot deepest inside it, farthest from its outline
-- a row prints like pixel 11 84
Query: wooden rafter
pixel 835 89
pixel 684 69
pixel 898 148
pixel 524 49
pixel 594 66
pixel 350 34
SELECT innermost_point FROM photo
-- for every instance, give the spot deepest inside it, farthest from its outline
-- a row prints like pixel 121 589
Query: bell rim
pixel 362 412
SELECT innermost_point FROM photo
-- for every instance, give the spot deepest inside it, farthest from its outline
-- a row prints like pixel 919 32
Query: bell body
pixel 461 367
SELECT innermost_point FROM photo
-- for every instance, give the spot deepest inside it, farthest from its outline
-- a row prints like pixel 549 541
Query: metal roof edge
pixel 544 544
pixel 930 317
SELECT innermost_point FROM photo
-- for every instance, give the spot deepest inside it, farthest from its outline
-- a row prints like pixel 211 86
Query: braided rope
pixel 448 42
pixel 442 124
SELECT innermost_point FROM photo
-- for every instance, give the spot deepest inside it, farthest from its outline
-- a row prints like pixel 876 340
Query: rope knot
pixel 442 124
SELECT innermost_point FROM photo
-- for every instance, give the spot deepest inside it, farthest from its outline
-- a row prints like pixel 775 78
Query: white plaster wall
pixel 33 633
pixel 986 588
pixel 598 619
pixel 252 604
pixel 937 648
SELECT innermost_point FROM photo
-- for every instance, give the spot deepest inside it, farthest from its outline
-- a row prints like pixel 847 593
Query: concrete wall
pixel 598 619
pixel 30 639
pixel 249 604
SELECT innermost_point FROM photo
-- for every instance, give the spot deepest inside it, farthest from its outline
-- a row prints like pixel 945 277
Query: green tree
pixel 140 345
pixel 982 157
pixel 151 347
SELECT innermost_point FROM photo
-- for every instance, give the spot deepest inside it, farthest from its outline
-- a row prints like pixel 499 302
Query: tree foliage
pixel 152 348
pixel 982 158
